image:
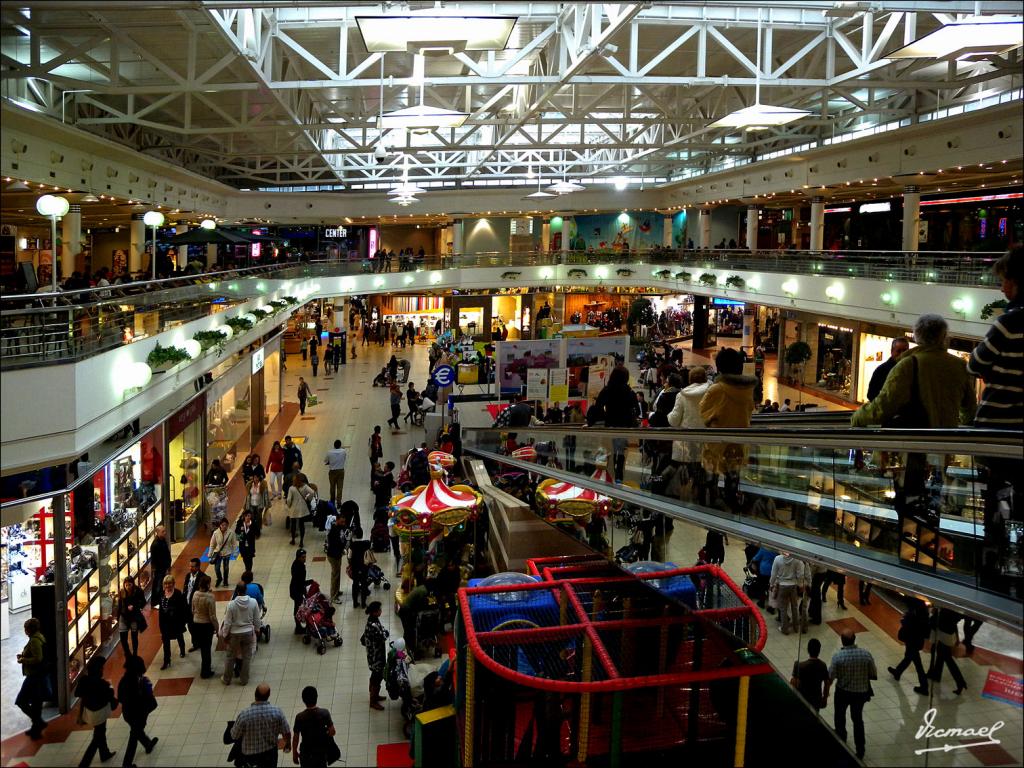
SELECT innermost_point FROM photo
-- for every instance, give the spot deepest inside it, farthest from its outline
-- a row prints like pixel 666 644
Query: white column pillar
pixel 211 254
pixel 911 217
pixel 457 236
pixel 137 245
pixel 817 223
pixel 181 229
pixel 705 228
pixel 545 236
pixel 752 214
pixel 71 237
pixel 666 232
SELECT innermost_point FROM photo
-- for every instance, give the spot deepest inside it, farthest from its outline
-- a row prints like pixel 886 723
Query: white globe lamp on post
pixel 54 207
pixel 153 219
pixel 208 224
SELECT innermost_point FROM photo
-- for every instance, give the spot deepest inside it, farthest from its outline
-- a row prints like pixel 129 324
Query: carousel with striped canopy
pixel 435 504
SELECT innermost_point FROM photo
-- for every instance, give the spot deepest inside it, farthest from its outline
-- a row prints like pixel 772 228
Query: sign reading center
pixel 443 376
pixel 336 233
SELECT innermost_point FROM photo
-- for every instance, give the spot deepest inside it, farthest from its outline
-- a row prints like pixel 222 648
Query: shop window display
pixel 228 419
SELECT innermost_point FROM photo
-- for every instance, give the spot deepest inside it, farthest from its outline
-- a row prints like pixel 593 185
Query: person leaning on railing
pixel 928 388
pixel 999 361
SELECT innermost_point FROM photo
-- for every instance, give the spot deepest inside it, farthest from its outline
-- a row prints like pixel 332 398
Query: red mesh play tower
pixel 588 665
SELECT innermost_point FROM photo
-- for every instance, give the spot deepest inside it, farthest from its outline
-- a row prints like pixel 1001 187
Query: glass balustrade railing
pixel 937 507
pixel 47 328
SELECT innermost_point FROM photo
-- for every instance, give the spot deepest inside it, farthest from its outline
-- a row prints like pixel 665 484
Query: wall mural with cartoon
pixel 679 230
pixel 636 230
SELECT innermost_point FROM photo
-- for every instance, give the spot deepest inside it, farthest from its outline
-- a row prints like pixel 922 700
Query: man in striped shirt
pixel 999 361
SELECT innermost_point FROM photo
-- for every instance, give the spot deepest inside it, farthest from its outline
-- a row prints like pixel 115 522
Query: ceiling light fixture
pixel 433 29
pixel 18 186
pixel 421 117
pixel 969 37
pixel 759 116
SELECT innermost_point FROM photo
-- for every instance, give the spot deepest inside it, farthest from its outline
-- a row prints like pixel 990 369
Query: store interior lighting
pixel 969 37
pixel 433 29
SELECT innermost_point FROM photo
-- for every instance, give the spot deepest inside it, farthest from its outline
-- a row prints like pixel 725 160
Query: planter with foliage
pixel 993 308
pixel 735 281
pixel 259 314
pixel 209 339
pixel 641 315
pixel 707 278
pixel 797 354
pixel 239 324
pixel 684 276
pixel 277 304
pixel 289 300
pixel 510 275
pixel 624 272
pixel 163 358
pixel 664 274
pixel 577 273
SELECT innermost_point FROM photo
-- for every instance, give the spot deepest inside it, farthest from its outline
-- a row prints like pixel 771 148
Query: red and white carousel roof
pixel 526 453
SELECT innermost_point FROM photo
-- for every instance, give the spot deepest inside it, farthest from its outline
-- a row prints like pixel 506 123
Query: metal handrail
pixel 963 440
pixel 876 565
pixel 819 259
pixel 46 328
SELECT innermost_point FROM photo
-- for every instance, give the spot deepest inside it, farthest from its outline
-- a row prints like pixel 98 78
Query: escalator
pixel 934 513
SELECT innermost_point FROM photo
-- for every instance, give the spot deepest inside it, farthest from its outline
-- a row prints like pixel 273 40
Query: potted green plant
pixel 664 274
pixel 259 314
pixel 797 354
pixel 290 299
pixel 993 308
pixel 277 304
pixel 641 315
pixel 708 278
pixel 624 272
pixel 735 281
pixel 577 273
pixel 163 358
pixel 239 324
pixel 209 339
pixel 684 276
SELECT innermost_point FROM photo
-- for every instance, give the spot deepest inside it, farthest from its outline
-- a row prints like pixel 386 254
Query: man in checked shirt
pixel 258 727
pixel 852 670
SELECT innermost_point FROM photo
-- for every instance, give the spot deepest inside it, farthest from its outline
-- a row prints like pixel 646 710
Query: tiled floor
pixel 193 712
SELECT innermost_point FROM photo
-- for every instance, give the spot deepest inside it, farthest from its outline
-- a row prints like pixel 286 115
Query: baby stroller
pixel 376 576
pixel 317 613
pixel 380 537
pixel 753 588
pixel 428 633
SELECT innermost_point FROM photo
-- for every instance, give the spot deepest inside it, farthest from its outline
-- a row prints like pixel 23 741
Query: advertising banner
pixel 515 358
pixel 558 386
pixel 537 384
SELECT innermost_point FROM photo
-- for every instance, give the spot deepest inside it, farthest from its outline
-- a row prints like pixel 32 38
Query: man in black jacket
pixel 297 586
pixel 292 462
pixel 160 561
pixel 188 589
pixel 898 347
pixel 337 542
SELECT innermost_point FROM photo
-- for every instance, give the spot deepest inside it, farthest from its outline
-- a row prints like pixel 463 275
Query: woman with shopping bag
pixel 97 704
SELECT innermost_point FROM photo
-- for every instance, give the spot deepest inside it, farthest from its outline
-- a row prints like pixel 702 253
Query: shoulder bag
pixel 332 753
pixel 912 415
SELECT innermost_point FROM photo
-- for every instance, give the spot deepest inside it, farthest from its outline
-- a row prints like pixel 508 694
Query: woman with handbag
pixel 300 494
pixel 130 602
pixel 246 534
pixel 222 546
pixel 97 703
pixel 257 501
pixel 204 624
pixel 174 615
pixel 275 467
pixel 137 703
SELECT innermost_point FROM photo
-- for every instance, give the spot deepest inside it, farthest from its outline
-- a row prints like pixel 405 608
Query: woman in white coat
pixel 685 414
